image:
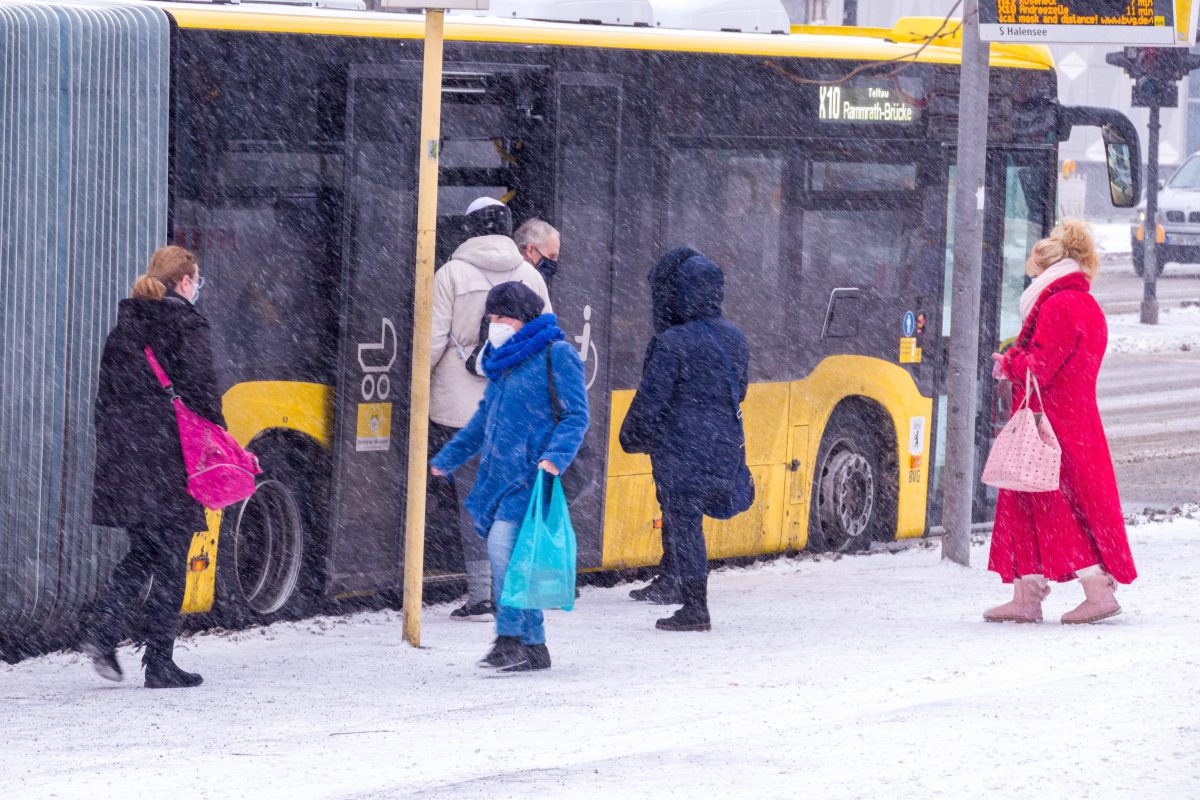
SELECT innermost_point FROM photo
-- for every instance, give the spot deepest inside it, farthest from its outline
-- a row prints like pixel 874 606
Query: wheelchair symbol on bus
pixel 587 347
pixel 376 385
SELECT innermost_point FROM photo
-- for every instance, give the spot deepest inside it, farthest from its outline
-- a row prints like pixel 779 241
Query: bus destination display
pixel 871 102
pixel 1126 22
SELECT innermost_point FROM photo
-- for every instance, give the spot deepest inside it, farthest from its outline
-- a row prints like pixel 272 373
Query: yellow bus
pixel 816 167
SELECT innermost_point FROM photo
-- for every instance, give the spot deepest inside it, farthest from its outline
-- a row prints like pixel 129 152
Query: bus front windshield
pixel 1187 176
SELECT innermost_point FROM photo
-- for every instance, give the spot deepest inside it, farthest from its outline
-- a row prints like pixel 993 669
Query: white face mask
pixel 499 333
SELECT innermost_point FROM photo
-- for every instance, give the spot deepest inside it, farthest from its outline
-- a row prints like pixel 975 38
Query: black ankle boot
pixel 163 673
pixel 505 651
pixel 531 657
pixel 662 591
pixel 104 660
pixel 694 614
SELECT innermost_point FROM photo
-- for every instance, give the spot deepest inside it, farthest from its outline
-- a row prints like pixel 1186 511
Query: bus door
pixel 496 141
pixel 378 258
pixel 587 186
pixel 1022 178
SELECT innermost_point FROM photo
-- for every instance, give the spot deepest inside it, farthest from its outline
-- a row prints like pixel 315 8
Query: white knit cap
pixel 482 202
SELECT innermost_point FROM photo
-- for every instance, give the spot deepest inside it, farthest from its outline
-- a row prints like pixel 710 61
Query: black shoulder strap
pixel 554 409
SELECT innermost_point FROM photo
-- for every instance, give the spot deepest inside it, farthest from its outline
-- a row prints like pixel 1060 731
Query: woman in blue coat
pixel 522 425
pixel 686 415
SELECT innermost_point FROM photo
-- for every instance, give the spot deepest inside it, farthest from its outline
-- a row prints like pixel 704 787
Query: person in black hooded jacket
pixel 686 416
pixel 664 589
pixel 140 482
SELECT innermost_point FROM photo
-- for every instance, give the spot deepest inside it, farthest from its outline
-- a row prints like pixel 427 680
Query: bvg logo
pixel 375 359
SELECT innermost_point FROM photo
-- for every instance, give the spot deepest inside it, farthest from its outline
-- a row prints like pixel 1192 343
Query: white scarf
pixel 1029 298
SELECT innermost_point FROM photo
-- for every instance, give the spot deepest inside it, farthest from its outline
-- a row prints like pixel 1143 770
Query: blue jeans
pixel 523 624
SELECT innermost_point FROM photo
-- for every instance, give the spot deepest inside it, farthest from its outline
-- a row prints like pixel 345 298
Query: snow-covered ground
pixel 870 676
pixel 1178 329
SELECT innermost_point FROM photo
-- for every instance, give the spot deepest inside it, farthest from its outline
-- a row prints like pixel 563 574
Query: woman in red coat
pixel 1079 530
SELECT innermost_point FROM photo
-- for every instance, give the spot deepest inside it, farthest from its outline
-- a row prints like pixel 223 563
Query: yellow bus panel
pixel 256 406
pixel 784 425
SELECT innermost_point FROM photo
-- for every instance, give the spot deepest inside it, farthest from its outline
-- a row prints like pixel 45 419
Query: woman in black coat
pixel 686 416
pixel 140 483
pixel 664 589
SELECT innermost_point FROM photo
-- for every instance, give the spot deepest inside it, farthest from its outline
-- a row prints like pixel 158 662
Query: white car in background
pixel 1179 217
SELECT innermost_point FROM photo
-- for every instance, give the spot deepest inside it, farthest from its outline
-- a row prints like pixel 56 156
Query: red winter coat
pixel 1056 533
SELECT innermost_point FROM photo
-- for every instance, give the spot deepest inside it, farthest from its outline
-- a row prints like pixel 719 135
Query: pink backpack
pixel 220 472
pixel 1026 456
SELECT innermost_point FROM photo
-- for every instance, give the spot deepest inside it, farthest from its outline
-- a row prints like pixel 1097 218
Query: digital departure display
pixel 865 101
pixel 1133 22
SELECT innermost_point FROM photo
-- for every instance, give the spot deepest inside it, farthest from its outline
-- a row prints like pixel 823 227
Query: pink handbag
pixel 1026 456
pixel 220 472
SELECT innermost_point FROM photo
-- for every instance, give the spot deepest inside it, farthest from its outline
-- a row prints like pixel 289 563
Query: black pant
pixel 683 534
pixel 155 555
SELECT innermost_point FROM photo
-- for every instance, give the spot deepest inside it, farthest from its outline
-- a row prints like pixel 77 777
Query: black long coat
pixel 140 478
pixel 683 413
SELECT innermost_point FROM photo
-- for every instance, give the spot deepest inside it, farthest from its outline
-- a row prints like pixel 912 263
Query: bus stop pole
pixel 418 421
pixel 1149 243
pixel 958 485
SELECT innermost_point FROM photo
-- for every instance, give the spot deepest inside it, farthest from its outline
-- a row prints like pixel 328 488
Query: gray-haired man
pixel 539 244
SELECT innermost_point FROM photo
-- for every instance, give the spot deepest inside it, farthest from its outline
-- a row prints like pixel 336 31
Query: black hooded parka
pixel 140 479
pixel 683 414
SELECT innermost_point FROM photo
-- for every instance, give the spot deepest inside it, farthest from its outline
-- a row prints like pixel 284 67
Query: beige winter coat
pixel 460 291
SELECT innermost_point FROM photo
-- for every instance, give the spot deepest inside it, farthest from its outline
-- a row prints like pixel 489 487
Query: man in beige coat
pixel 460 291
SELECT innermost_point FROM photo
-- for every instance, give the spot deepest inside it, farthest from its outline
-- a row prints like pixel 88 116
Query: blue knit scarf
pixel 534 336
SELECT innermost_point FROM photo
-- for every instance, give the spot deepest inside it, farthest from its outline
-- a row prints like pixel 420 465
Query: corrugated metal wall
pixel 83 202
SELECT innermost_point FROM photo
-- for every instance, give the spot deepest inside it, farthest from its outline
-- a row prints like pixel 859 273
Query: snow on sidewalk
pixel 1178 329
pixel 870 676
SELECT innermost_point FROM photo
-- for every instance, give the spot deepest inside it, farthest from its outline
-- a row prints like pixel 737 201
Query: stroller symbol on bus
pixel 375 383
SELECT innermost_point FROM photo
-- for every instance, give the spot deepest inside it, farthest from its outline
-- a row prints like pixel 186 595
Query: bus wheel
pixel 267 559
pixel 853 505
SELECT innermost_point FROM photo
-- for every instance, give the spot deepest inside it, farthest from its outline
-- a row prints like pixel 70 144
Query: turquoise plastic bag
pixel 541 572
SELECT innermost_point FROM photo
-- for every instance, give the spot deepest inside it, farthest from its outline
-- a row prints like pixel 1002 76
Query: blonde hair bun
pixel 1078 244
pixel 167 267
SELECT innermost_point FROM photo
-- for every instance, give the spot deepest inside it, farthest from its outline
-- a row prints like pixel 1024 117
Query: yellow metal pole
pixel 418 422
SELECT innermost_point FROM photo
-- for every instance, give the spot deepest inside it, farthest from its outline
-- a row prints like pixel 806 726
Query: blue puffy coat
pixel 514 427
pixel 683 414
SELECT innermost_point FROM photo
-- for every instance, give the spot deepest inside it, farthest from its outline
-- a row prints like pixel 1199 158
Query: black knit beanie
pixel 515 300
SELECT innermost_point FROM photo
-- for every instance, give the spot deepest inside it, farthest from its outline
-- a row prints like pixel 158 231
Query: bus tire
pixel 855 483
pixel 270 558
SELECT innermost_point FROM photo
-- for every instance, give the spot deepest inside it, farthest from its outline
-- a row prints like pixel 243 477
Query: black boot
pixel 694 614
pixel 104 659
pixel 505 651
pixel 163 673
pixel 532 657
pixel 662 591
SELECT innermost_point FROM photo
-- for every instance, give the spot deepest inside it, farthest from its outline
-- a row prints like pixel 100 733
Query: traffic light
pixel 1156 72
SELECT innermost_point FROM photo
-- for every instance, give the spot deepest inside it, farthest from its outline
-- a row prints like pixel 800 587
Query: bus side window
pixel 842 314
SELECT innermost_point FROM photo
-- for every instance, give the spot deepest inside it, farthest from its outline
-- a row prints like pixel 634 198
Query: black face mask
pixel 548 267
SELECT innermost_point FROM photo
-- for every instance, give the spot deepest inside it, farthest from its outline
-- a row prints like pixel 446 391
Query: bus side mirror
pixel 1121 187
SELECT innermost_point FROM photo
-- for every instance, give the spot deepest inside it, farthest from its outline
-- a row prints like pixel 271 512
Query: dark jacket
pixel 140 478
pixel 683 413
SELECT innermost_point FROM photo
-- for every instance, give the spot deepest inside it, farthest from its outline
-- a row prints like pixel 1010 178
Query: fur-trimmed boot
pixel 1026 605
pixel 1100 592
